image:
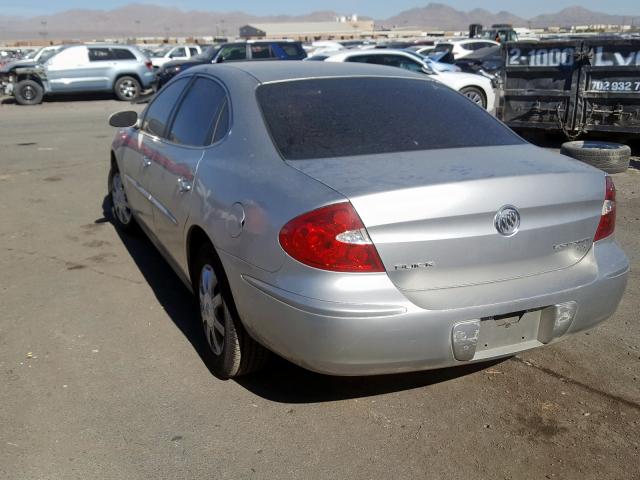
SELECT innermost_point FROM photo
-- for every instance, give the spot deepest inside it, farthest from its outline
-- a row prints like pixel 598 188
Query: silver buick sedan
pixel 358 219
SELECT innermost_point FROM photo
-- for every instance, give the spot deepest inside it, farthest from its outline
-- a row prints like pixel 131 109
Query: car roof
pixel 105 45
pixel 282 70
pixel 371 51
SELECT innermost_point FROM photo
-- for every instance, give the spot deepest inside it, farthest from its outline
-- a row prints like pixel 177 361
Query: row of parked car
pixel 128 71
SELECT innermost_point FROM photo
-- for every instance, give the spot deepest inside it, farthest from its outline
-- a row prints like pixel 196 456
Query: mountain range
pixel 154 20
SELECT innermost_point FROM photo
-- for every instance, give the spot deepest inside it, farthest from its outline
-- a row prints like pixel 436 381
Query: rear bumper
pixel 374 338
pixel 148 78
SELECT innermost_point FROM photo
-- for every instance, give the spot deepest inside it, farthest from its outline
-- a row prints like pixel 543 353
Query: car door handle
pixel 146 162
pixel 184 185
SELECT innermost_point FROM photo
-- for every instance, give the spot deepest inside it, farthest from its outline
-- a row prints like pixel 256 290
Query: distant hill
pixel 582 16
pixel 154 20
pixel 442 17
pixel 139 20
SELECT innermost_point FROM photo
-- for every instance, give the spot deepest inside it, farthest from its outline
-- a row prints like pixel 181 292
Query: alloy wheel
pixel 119 199
pixel 128 89
pixel 212 309
pixel 475 97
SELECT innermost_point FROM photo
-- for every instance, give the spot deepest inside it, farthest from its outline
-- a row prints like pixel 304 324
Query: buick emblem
pixel 507 221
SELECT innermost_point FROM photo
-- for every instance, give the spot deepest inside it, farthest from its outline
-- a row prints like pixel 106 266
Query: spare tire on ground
pixel 607 156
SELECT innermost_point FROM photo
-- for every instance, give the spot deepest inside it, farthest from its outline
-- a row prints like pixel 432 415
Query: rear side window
pixel 197 116
pixel 123 54
pixel 340 117
pixel 193 51
pixel 222 126
pixel 100 54
pixel 260 50
pixel 159 112
pixel 288 50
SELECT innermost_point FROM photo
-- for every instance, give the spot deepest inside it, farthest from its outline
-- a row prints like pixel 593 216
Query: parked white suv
pixel 179 52
pixel 475 87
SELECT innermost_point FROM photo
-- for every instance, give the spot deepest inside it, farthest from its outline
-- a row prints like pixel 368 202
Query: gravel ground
pixel 101 371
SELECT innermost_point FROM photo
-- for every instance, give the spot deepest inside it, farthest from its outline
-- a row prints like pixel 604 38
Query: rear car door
pixel 261 51
pixel 97 71
pixel 198 123
pixel 143 152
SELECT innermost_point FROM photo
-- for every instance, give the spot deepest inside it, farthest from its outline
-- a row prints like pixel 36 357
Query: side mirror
pixel 427 70
pixel 220 59
pixel 124 119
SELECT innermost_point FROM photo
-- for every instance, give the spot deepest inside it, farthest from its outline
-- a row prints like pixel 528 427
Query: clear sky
pixel 373 8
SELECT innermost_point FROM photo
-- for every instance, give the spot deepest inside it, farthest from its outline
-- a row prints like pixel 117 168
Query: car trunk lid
pixel 431 214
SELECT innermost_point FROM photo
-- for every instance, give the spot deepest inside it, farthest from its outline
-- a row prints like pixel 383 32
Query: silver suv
pixel 121 69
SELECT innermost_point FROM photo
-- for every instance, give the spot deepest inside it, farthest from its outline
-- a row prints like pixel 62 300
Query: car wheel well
pixel 114 168
pixel 195 239
pixel 132 75
pixel 34 78
pixel 478 88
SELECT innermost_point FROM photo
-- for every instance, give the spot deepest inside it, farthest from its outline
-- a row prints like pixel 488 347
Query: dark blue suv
pixel 233 52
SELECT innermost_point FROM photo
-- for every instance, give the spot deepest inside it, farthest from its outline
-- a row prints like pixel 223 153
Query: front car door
pixel 143 150
pixel 197 124
pixel 67 71
pixel 178 53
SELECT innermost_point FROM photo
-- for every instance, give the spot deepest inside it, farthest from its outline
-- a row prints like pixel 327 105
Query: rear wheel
pixel 120 210
pixel 29 92
pixel 127 89
pixel 607 156
pixel 475 95
pixel 233 351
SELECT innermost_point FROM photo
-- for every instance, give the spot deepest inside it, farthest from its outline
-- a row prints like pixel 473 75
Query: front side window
pixel 193 51
pixel 401 62
pixel 233 52
pixel 159 112
pixel 342 117
pixel 179 52
pixel 70 58
pixel 196 118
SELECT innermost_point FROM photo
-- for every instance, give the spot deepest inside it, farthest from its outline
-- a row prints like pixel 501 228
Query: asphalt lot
pixel 101 374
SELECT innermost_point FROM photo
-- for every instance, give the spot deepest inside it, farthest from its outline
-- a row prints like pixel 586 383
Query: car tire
pixel 127 89
pixel 232 351
pixel 28 92
pixel 120 210
pixel 476 95
pixel 607 156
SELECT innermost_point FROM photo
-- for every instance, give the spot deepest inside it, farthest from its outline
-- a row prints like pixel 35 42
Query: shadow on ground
pixel 281 381
pixel 80 97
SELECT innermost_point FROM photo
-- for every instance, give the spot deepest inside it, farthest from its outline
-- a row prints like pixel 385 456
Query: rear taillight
pixel 331 238
pixel 149 65
pixel 608 219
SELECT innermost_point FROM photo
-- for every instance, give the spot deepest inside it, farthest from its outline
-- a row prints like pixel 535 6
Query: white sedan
pixel 475 87
pixel 463 47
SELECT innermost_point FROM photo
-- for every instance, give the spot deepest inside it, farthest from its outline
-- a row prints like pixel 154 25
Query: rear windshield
pixel 339 117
